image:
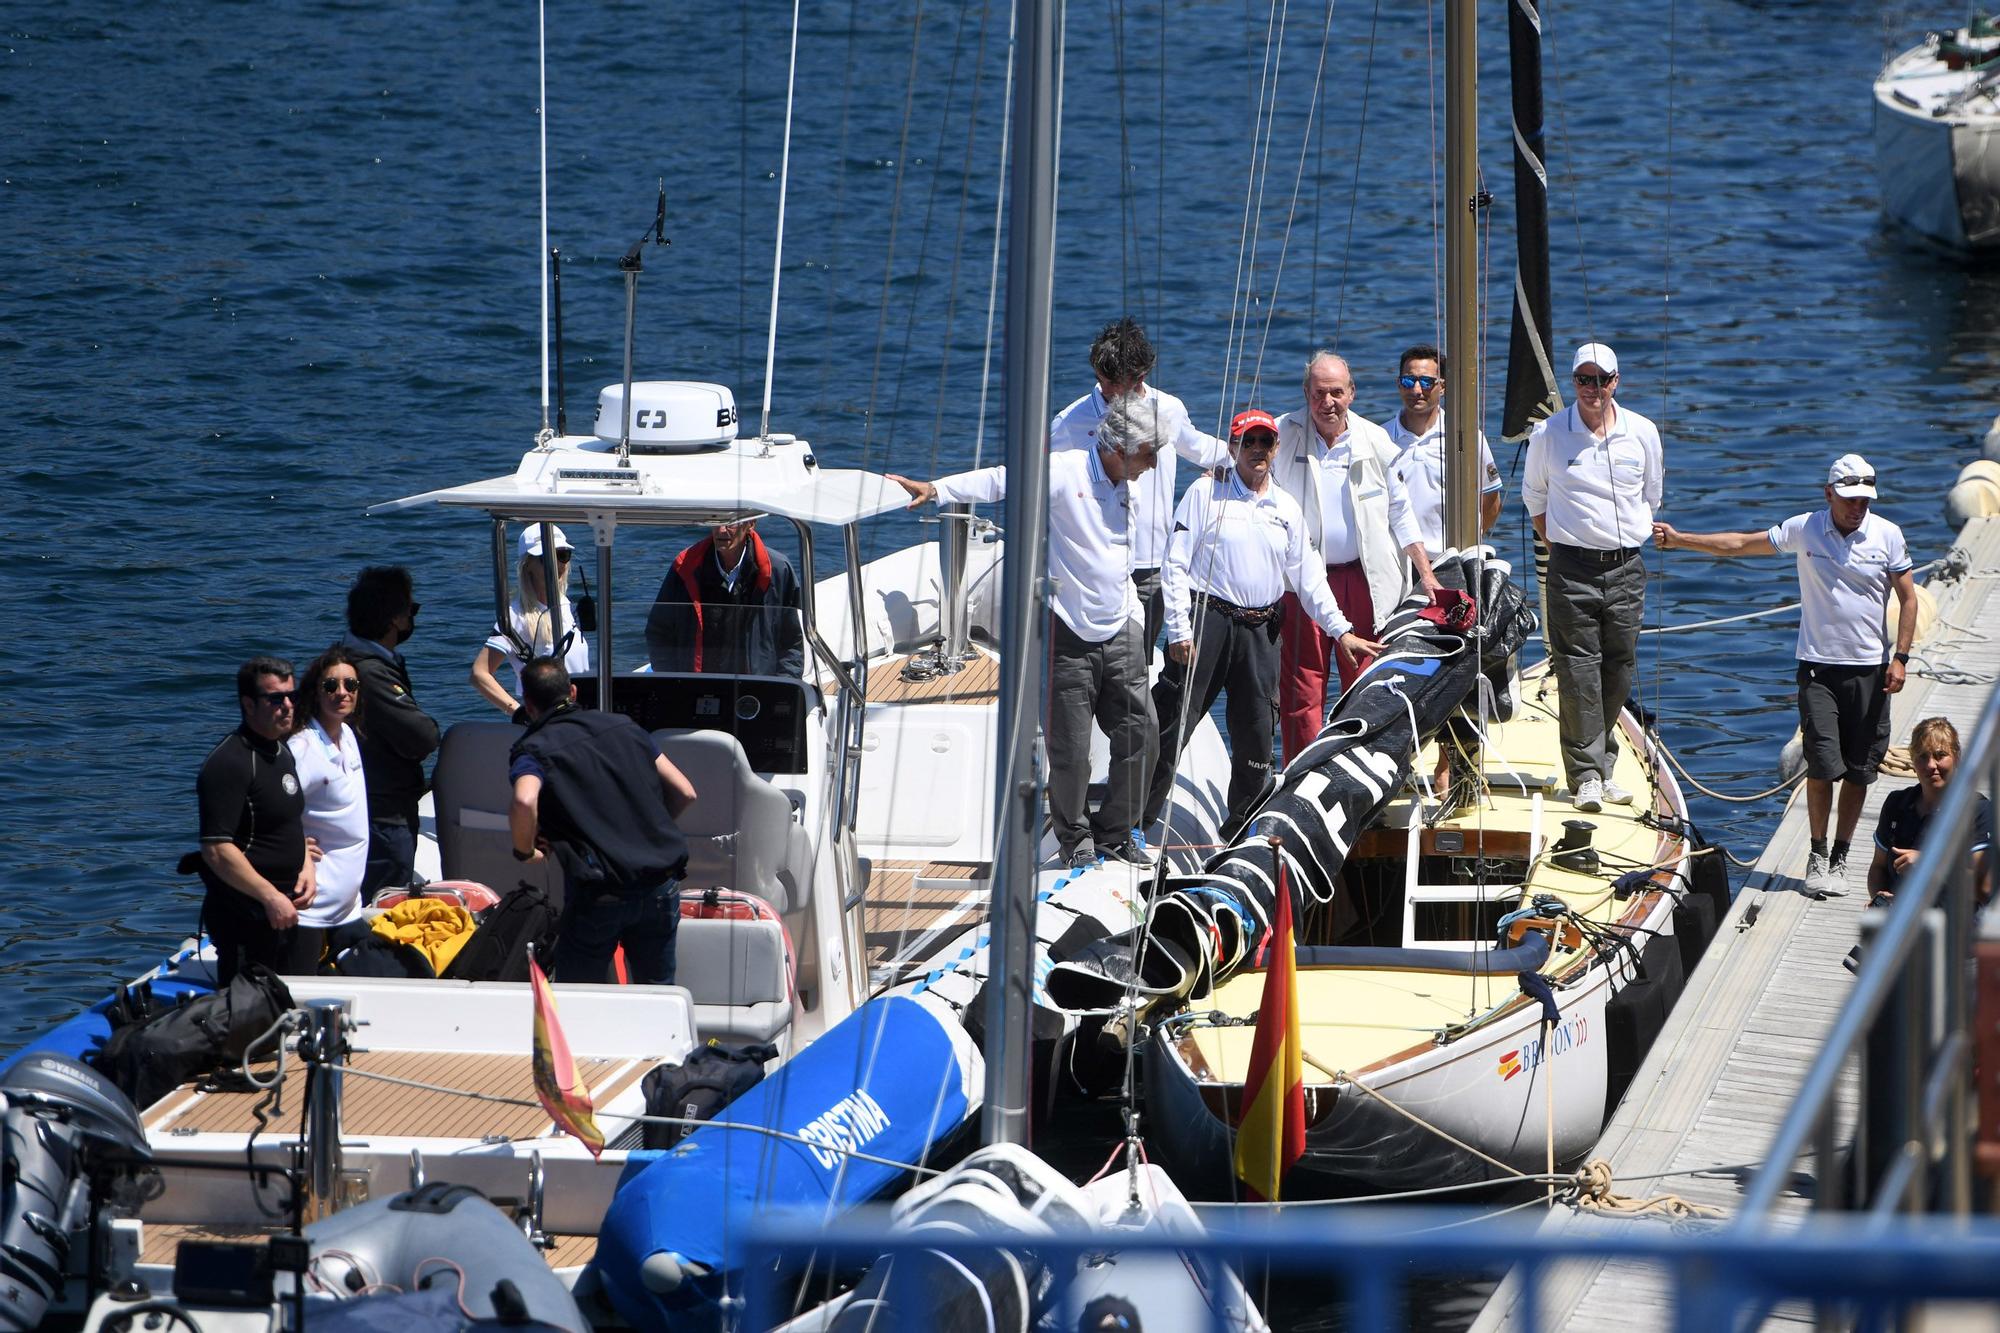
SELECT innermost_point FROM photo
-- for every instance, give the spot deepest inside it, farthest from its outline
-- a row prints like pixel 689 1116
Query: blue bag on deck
pixel 891 1080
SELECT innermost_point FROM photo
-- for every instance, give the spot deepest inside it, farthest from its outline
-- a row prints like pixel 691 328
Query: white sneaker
pixel 1589 796
pixel 1819 875
pixel 1616 794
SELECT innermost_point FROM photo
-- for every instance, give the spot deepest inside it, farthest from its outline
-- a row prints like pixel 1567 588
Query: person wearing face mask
pixel 253 859
pixel 530 625
pixel 326 751
pixel 1850 562
pixel 1239 544
pixel 381 616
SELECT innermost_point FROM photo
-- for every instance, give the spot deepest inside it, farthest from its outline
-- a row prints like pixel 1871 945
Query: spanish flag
pixel 561 1092
pixel 1271 1135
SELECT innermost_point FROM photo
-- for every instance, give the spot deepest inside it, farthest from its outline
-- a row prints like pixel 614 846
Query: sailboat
pixel 1937 137
pixel 1479 971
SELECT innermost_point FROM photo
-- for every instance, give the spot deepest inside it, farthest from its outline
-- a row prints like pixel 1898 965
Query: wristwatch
pixel 1902 659
pixel 520 855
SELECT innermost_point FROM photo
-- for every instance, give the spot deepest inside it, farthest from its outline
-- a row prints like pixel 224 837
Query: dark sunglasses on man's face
pixel 1424 382
pixel 1855 481
pixel 1596 381
pixel 333 686
pixel 277 698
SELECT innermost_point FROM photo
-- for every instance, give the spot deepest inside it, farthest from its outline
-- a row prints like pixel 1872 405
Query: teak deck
pixel 978 682
pixel 909 901
pixel 1726 1068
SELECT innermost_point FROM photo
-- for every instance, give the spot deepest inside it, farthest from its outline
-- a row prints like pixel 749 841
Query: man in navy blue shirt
pixel 593 788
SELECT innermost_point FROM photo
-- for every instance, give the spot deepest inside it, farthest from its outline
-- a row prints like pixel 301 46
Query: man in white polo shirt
pixel 1593 478
pixel 1849 561
pixel 1418 434
pixel 1097 657
pixel 1239 544
pixel 1335 463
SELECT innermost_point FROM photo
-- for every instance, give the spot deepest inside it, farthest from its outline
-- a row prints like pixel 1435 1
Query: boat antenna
pixel 555 281
pixel 543 436
pixel 778 257
pixel 632 265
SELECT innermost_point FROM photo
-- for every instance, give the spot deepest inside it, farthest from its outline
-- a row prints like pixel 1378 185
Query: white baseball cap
pixel 531 540
pixel 1851 477
pixel 1597 354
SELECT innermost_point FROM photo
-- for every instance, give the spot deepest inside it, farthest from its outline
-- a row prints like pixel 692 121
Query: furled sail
pixel 1533 391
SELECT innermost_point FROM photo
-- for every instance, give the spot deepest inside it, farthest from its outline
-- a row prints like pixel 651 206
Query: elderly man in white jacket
pixel 1335 463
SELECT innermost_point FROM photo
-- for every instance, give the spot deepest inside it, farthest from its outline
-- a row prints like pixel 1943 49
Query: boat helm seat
pixel 737 972
pixel 472 795
pixel 740 831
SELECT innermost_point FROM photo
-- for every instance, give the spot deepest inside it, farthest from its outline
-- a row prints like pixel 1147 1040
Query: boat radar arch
pixel 668 416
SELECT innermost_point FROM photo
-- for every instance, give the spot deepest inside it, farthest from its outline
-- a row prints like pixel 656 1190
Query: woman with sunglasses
pixel 530 625
pixel 327 751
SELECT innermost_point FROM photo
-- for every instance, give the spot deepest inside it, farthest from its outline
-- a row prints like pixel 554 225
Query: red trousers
pixel 1308 652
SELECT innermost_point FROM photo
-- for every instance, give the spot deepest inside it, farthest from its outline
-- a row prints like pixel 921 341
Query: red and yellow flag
pixel 561 1092
pixel 1271 1134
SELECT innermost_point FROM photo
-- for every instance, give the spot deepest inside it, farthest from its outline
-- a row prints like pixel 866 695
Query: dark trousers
pixel 1595 611
pixel 242 936
pixel 595 921
pixel 1232 656
pixel 392 855
pixel 1106 683
pixel 1153 604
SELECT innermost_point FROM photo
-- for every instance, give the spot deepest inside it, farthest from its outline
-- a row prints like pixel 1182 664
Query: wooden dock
pixel 1726 1067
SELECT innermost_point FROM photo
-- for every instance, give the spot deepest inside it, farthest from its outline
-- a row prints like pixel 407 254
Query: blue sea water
pixel 266 263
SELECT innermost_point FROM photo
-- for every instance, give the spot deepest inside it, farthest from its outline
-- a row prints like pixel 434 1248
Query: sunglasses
pixel 1596 381
pixel 1424 382
pixel 277 698
pixel 334 686
pixel 1855 481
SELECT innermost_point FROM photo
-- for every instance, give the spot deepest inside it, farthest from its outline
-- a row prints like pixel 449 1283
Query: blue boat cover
pixel 888 1081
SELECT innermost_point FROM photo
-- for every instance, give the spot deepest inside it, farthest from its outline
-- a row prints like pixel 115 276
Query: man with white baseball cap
pixel 1850 560
pixel 1594 476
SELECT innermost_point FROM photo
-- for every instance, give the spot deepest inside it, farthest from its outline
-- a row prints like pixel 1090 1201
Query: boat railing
pixel 1906 1027
pixel 1375 1262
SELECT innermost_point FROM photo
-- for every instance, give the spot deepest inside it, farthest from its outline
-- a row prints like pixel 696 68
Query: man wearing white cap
pixel 530 631
pixel 1849 562
pixel 1594 476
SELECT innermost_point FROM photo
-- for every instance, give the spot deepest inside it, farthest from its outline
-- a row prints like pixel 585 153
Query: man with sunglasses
pixel 253 860
pixel 381 616
pixel 1850 560
pixel 1418 433
pixel 729 604
pixel 1336 463
pixel 1594 476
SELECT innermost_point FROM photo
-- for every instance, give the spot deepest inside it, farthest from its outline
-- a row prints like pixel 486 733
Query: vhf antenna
pixel 631 266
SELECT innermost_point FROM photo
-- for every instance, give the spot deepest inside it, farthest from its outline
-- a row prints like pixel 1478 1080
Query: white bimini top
pixel 336 817
pixel 1844 584
pixel 1245 549
pixel 1419 470
pixel 1090 538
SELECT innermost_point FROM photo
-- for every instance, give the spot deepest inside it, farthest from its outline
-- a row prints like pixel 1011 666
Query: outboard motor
pixel 54 1113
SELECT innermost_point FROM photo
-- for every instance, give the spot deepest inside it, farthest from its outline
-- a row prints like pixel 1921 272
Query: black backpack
pixel 712 1077
pixel 153 1049
pixel 498 949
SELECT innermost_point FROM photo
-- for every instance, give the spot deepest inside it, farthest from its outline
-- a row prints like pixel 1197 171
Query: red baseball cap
pixel 1255 419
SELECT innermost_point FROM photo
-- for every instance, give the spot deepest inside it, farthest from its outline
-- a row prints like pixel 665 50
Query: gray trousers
pixel 1104 682
pixel 1595 611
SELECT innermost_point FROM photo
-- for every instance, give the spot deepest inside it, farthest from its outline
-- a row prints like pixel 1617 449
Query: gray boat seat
pixel 740 830
pixel 471 793
pixel 736 972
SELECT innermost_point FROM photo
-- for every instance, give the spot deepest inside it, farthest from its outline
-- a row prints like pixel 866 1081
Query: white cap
pixel 1854 470
pixel 1597 354
pixel 531 540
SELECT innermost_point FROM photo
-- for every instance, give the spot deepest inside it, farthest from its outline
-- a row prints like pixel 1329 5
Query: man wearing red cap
pixel 1239 543
pixel 1336 465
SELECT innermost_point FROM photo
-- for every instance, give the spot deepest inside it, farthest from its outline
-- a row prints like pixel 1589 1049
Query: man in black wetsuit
pixel 594 789
pixel 729 604
pixel 381 617
pixel 253 842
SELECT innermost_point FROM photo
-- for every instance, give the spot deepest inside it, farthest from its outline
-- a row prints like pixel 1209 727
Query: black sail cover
pixel 1204 927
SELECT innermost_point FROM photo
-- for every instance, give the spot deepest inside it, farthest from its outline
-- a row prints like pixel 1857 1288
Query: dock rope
pixel 1593 1193
pixel 1705 790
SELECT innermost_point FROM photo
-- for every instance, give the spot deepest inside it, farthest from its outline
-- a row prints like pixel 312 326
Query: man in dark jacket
pixel 730 604
pixel 381 617
pixel 592 787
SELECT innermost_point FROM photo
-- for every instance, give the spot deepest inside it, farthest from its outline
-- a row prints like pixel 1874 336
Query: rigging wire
pixel 848 65
pixel 958 237
pixel 993 270
pixel 1246 237
pixel 778 258
pixel 895 220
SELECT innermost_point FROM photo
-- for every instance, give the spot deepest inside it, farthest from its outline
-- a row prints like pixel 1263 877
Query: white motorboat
pixel 1937 137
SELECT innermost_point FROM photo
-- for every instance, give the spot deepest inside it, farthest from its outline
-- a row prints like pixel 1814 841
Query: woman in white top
pixel 532 625
pixel 327 753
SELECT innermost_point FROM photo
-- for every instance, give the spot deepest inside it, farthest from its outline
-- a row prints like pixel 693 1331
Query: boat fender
pixel 663 1272
pixel 1536 987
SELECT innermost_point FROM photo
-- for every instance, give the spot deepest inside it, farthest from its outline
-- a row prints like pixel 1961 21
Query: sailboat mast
pixel 1463 202
pixel 1031 234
